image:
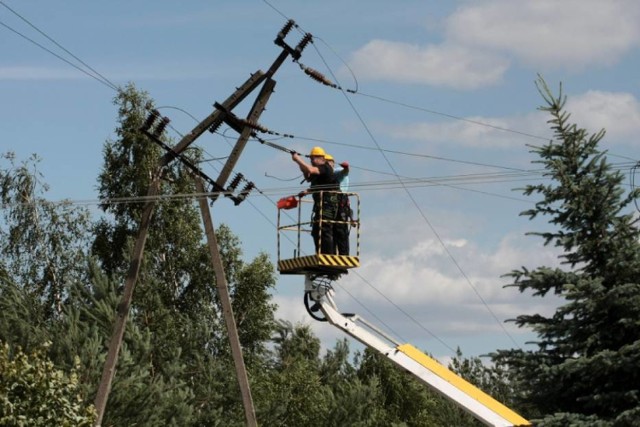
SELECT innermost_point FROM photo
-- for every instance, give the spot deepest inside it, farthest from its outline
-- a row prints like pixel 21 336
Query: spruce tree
pixel 585 369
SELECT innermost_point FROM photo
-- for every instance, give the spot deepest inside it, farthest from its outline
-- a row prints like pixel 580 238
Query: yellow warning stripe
pixel 463 385
pixel 342 261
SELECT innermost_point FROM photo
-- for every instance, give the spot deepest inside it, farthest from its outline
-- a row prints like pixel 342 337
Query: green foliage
pixel 353 402
pixel 42 243
pixel 23 320
pixel 404 399
pixel 291 392
pixel 34 393
pixel 182 342
pixel 493 379
pixel 253 313
pixel 585 370
pixel 175 366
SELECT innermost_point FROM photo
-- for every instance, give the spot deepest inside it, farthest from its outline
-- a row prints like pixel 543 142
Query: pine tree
pixel 586 368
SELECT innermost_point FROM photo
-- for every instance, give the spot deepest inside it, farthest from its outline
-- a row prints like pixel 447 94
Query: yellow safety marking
pixel 463 385
pixel 319 261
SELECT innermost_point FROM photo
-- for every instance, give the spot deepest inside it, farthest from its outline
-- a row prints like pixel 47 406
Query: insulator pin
pixel 304 42
pixel 255 125
pixel 215 126
pixel 319 77
pixel 244 193
pixel 234 182
pixel 285 30
pixel 161 126
pixel 151 118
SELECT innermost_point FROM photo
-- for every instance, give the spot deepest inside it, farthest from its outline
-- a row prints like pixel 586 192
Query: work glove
pixel 345 165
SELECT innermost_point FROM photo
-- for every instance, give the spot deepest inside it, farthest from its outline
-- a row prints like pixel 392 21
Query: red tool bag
pixel 288 202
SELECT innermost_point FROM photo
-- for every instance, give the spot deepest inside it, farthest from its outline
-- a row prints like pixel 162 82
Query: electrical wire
pixel 99 77
pixel 102 80
pixel 108 84
pixel 415 203
pixel 451 116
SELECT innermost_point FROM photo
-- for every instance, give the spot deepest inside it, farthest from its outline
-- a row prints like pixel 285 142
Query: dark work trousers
pixel 322 231
pixel 341 228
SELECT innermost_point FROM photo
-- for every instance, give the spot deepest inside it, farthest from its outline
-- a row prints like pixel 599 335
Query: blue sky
pixel 435 80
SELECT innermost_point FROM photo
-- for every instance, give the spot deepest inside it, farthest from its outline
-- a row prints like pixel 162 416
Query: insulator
pixel 244 193
pixel 304 42
pixel 215 126
pixel 285 30
pixel 247 188
pixel 234 182
pixel 151 118
pixel 161 126
pixel 318 76
pixel 254 125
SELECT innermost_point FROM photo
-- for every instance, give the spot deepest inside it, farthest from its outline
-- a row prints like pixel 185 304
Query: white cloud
pixel 452 66
pixel 417 294
pixel 425 282
pixel 570 33
pixel 481 39
pixel 425 273
pixel 480 132
pixel 618 113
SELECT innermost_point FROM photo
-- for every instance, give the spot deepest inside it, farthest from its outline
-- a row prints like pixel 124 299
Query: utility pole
pixel 227 310
pixel 123 308
pixel 222 113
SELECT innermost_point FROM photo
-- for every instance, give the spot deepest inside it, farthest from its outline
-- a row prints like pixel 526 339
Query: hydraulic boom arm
pixel 424 368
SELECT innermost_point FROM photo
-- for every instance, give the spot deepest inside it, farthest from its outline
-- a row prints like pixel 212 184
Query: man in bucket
pixel 325 204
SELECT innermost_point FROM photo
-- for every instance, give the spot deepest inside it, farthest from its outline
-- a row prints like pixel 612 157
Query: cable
pixel 415 203
pixel 451 116
pixel 632 179
pixel 283 191
pixel 404 153
pixel 104 79
pixel 108 84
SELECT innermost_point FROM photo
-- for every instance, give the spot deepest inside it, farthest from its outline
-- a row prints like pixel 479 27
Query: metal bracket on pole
pixel 253 116
pixel 214 119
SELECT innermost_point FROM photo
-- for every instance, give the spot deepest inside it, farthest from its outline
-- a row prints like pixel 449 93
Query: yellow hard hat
pixel 328 157
pixel 317 151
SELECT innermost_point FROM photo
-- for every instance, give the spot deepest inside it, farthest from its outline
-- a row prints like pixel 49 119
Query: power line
pixel 56 55
pixel 104 79
pixel 403 183
pixel 415 203
pixel 451 116
pixel 404 153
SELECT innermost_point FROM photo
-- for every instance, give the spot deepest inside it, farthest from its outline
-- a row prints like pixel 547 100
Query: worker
pixel 324 189
pixel 344 216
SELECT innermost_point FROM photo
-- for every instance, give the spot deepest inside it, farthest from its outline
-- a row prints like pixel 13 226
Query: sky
pixel 438 133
